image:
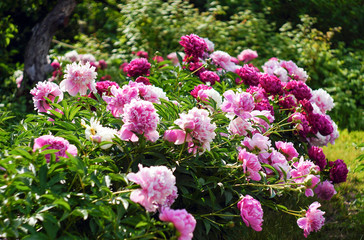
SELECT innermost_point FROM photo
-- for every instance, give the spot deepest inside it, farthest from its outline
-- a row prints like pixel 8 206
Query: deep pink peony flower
pixel 258 93
pixel 194 47
pixel 55 64
pixel 251 164
pixel 251 211
pixel 320 123
pixel 317 156
pixel 240 103
pixel 287 149
pixel 158 59
pixel 141 54
pixel 325 190
pixel 120 97
pixel 338 171
pixel 57 143
pixel 196 67
pixel 271 84
pixel 78 79
pixel 209 76
pixel 123 66
pixel 102 64
pixel 197 125
pixel 247 55
pixel 143 80
pixel 138 67
pixel 197 88
pixel 301 123
pixel 248 75
pixel 313 220
pixel 258 142
pixel 157 185
pixel 45 89
pixel 139 117
pixel 288 102
pixel 299 89
pixel 103 87
pixel 184 222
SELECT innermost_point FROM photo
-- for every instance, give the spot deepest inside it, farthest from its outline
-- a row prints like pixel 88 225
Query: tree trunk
pixel 36 66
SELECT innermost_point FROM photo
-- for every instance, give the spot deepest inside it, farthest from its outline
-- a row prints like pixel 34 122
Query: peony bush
pixel 194 147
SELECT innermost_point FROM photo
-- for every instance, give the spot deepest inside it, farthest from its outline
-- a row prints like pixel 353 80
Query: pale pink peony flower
pixel 18 75
pixel 240 126
pixel 223 60
pixel 210 45
pixel 57 143
pixel 78 78
pixel 322 99
pixel 287 149
pixel 247 55
pixel 197 125
pixel 205 94
pixel 174 59
pixel 240 103
pixel 325 190
pixel 251 164
pixel 120 97
pixel 184 222
pixel 139 117
pixel 84 58
pixel 45 89
pixel 157 186
pixel 270 66
pixel 257 142
pixel 72 56
pixel 251 212
pixel 313 220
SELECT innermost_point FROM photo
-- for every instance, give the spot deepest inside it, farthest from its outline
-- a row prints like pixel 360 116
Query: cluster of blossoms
pixel 285 70
pixel 158 192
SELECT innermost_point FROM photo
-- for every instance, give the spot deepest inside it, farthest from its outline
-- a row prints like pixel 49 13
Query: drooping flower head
pixel 157 185
pixel 338 171
pixel 138 67
pixel 299 89
pixel 251 212
pixel 78 78
pixel 57 143
pixel 45 89
pixel 194 47
pixel 184 222
pixel 139 117
pixel 313 220
pixel 287 149
pixel 325 190
pixel 247 55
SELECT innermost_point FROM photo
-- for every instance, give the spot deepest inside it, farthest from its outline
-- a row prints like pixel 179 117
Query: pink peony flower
pixel 141 54
pixel 276 160
pixel 251 165
pixel 139 117
pixel 197 125
pixel 271 84
pixel 143 80
pixel 72 56
pixel 184 222
pixel 241 103
pixel 303 168
pixel 174 59
pixel 299 89
pixel 287 149
pixel 313 220
pixel 197 88
pixel 102 64
pixel 325 190
pixel 157 185
pixel 258 142
pixel 204 96
pixel 194 47
pixel 322 99
pixel 247 55
pixel 210 45
pixel 158 59
pixel 338 171
pixel 138 67
pixel 318 157
pixel 261 125
pixel 120 97
pixel 301 123
pixel 251 212
pixel 45 89
pixel 223 60
pixel 240 126
pixel 57 143
pixel 209 76
pixel 84 58
pixel 103 87
pixel 78 79
pixel 248 75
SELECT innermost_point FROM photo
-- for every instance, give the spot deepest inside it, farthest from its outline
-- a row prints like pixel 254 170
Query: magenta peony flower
pixel 184 222
pixel 194 47
pixel 102 64
pixel 252 213
pixel 141 54
pixel 251 164
pixel 317 156
pixel 103 87
pixel 45 89
pixel 57 143
pixel 196 67
pixel 248 75
pixel 258 142
pixel 299 89
pixel 209 76
pixel 258 93
pixel 197 88
pixel 197 125
pixel 139 117
pixel 287 149
pixel 325 190
pixel 320 123
pixel 301 123
pixel 247 55
pixel 55 64
pixel 313 220
pixel 143 80
pixel 270 83
pixel 241 103
pixel 120 97
pixel 138 67
pixel 338 171
pixel 78 79
pixel 288 102
pixel 157 185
